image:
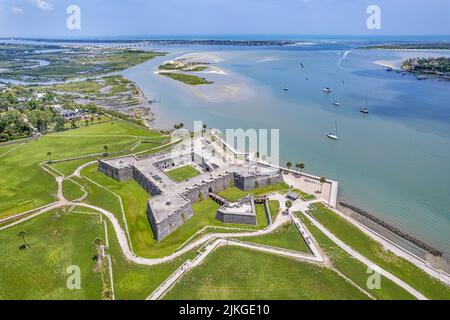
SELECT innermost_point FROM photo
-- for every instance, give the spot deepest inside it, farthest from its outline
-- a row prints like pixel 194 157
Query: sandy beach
pixel 393 64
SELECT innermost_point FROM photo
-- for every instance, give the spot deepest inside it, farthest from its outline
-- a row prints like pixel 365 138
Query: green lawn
pixel 236 194
pixel 134 200
pixel 354 269
pixel 274 208
pixel 183 173
pixel 57 241
pixel 231 273
pixel 101 198
pixel 71 190
pixel 26 186
pixel 287 237
pixel 67 168
pixel 374 251
pixel 187 78
pixel 305 196
pixel 137 282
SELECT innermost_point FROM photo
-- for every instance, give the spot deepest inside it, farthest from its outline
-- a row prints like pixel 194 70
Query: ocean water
pixel 394 162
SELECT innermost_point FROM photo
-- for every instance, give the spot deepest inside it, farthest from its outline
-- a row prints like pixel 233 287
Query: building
pixel 170 204
pixel 66 113
pixel 291 195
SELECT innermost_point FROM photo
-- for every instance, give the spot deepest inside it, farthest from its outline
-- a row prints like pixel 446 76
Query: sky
pixel 114 18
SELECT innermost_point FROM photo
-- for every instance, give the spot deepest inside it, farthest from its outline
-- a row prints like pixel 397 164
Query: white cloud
pixel 44 5
pixel 17 10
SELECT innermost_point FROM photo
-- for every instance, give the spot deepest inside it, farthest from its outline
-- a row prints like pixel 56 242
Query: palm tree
pixel 49 155
pixel 289 204
pixel 22 235
pixel 98 242
pixel 106 148
pixel 301 166
pixel 289 165
pixel 204 128
pixel 323 180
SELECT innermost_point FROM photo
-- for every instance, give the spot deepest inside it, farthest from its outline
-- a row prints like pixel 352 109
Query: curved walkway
pixel 364 260
pixel 219 238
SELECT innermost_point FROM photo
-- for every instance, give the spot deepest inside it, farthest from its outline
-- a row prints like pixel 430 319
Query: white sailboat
pixel 334 136
pixel 365 110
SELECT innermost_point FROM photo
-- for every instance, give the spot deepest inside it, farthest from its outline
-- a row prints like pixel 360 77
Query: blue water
pixel 394 162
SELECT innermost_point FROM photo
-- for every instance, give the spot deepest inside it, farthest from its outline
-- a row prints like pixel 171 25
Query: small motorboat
pixel 326 90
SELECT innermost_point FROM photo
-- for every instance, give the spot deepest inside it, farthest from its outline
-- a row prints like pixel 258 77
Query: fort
pixel 170 203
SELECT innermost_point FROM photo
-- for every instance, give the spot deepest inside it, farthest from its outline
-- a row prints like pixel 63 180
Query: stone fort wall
pixel 199 192
pixel 164 228
pixel 119 174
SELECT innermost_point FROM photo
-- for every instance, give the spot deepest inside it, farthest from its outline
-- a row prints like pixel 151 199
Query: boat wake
pixel 343 58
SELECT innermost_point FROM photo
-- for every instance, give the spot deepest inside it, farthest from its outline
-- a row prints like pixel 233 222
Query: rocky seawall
pixel 394 230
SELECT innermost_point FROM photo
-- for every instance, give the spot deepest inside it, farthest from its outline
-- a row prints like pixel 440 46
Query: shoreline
pixel 414 241
pixel 437 262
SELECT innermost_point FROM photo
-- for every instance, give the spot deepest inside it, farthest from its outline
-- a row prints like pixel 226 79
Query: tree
pixel 106 148
pixel 49 155
pixel 98 242
pixel 60 124
pixel 323 180
pixel 289 205
pixel 300 167
pixel 289 165
pixel 22 235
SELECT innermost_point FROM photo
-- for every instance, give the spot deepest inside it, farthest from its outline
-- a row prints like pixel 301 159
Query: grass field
pixel 305 196
pixel 137 282
pixel 354 269
pixel 56 241
pixel 237 274
pixel 287 237
pixel 236 194
pixel 71 190
pixel 134 200
pixel 31 187
pixel 374 251
pixel 183 173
